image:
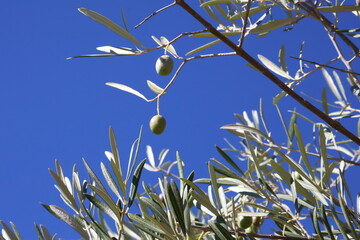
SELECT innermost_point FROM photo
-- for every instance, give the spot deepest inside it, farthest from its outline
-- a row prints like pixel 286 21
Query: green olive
pixel 164 65
pixel 245 221
pixel 157 124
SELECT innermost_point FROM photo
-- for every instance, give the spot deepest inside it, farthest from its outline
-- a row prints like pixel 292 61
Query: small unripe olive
pixel 164 65
pixel 157 124
pixel 245 222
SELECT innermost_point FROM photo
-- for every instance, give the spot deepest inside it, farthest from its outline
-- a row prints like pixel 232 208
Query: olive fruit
pixel 157 124
pixel 164 65
pixel 245 221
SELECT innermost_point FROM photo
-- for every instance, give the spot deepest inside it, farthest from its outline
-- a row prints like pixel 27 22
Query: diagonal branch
pixel 267 73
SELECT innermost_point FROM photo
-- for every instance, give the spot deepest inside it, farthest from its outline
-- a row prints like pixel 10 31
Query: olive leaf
pixel 110 25
pixel 155 88
pixel 273 67
pixel 126 89
pixel 119 51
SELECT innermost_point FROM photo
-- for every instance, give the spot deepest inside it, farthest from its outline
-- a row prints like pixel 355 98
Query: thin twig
pixel 182 65
pixel 326 65
pixel 243 32
pixel 312 11
pixel 267 73
pixel 154 13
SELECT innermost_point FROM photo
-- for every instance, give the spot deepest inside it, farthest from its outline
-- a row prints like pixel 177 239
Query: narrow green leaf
pixel 211 13
pixel 92 55
pixel 110 25
pixel 252 11
pixel 67 195
pixel 286 177
pixel 133 156
pixel 146 225
pixel 291 129
pixel 155 88
pixel 203 47
pixel 168 47
pixel 324 158
pixel 243 128
pixel 67 218
pixel 102 206
pixel 331 84
pixel 15 231
pixel 220 231
pixel 116 170
pixel 127 89
pixel 108 200
pixel 345 8
pixel 300 201
pixel 157 210
pixel 38 232
pixel 255 158
pixel 180 165
pixel 278 97
pixel 8 231
pixel 273 67
pixel 316 223
pixel 229 160
pixel 46 233
pixel 175 203
pixel 282 59
pixel 204 204
pixel 346 215
pixel 135 182
pixel 303 151
pixel 119 51
pixel 338 221
pixel 272 25
pixel 109 180
pixel 340 86
pixel 93 175
pixel 326 223
pixel 214 184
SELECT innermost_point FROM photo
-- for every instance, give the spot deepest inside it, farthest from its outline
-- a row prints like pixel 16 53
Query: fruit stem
pixel 158 106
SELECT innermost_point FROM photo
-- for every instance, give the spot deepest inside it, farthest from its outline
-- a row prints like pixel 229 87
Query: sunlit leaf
pixel 102 206
pixel 345 8
pixel 67 218
pixel 252 11
pixel 273 67
pixel 127 89
pixel 155 88
pixel 169 47
pixel 220 232
pixel 109 24
pixel 119 51
pixel 203 47
pixel 331 84
pixel 8 231
pixel 135 182
pixel 272 25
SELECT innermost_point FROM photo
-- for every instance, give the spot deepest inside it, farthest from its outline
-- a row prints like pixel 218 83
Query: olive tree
pixel 290 188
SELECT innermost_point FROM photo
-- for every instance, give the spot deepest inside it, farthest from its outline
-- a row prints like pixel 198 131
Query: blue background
pixel 53 108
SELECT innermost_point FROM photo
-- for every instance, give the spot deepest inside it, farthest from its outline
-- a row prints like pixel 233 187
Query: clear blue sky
pixel 53 108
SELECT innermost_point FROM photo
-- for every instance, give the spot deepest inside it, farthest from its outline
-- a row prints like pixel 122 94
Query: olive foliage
pixel 291 188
